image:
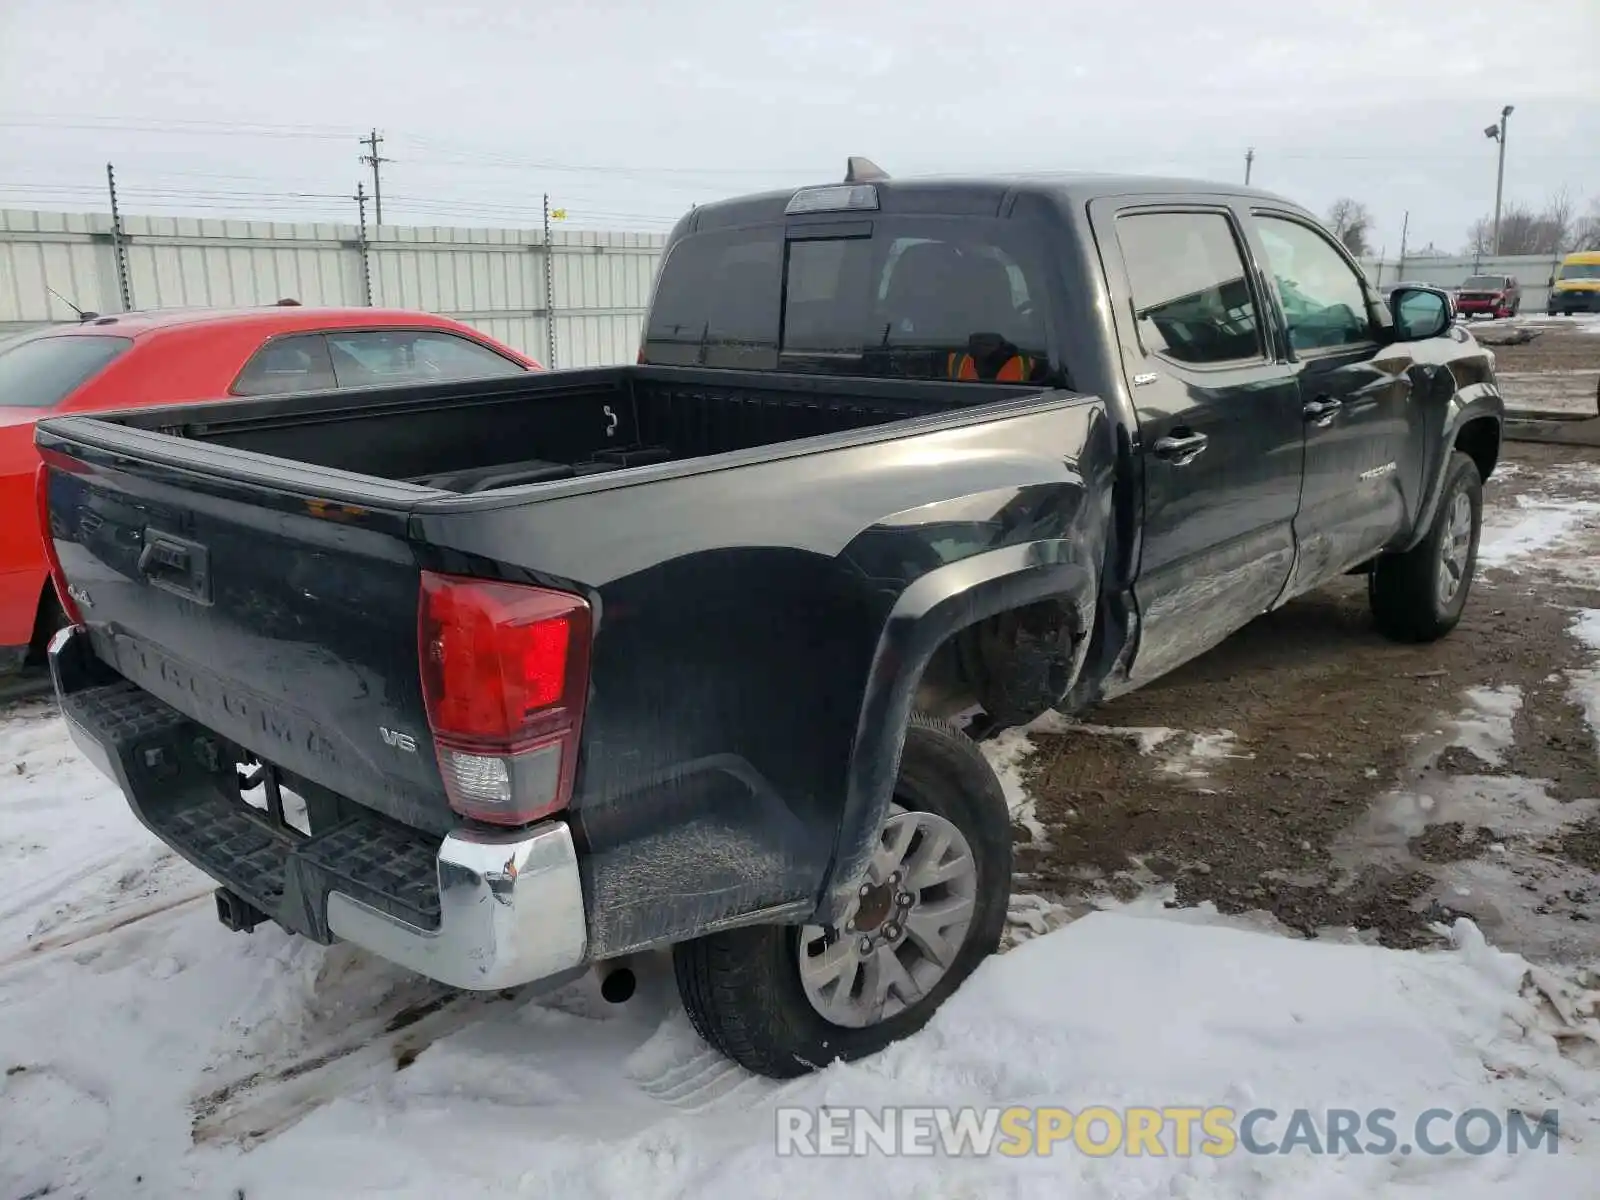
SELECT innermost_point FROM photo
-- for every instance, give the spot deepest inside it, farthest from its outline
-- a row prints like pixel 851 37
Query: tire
pixel 1405 590
pixel 743 989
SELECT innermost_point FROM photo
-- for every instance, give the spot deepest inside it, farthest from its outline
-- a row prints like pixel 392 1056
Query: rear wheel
pixel 1418 596
pixel 783 1000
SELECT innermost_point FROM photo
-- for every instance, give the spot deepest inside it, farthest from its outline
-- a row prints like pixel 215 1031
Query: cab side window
pixel 1324 301
pixel 363 358
pixel 1191 295
pixel 288 364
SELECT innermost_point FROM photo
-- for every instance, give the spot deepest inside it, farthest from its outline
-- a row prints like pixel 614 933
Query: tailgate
pixel 280 614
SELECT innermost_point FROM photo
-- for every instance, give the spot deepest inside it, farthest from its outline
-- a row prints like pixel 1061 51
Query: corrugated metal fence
pixel 493 279
pixel 1532 271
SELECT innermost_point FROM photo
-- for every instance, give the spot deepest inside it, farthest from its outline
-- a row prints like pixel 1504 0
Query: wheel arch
pixel 1474 428
pixel 1054 576
pixel 1479 439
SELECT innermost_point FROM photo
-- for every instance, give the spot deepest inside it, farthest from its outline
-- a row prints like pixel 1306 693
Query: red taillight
pixel 41 494
pixel 505 673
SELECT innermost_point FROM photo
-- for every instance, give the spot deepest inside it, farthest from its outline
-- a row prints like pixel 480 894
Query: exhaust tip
pixel 617 986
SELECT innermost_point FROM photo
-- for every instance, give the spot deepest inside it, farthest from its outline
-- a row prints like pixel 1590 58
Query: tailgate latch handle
pixel 163 554
pixel 176 565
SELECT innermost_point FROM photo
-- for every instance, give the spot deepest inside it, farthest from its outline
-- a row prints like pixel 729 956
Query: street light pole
pixel 1498 133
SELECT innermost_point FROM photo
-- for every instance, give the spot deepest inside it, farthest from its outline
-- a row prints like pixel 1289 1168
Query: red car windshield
pixel 1484 283
pixel 39 372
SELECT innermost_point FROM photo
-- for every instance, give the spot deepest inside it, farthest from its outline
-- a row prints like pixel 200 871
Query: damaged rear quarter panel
pixel 755 648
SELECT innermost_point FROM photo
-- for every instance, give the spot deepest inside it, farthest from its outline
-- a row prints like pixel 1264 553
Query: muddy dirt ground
pixel 1561 344
pixel 1365 785
pixel 1555 374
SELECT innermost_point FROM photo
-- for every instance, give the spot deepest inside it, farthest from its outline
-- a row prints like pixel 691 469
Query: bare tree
pixel 1480 238
pixel 1550 230
pixel 1351 222
pixel 1519 230
pixel 1586 231
pixel 1556 229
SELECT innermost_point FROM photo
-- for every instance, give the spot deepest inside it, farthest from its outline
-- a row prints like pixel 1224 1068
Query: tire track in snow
pixel 88 931
pixel 249 1110
pixel 702 1082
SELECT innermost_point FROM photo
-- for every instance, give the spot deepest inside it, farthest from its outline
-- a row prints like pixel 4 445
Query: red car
pixel 169 356
pixel 1489 296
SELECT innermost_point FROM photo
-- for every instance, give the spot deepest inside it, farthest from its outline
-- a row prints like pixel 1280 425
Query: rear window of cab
pixel 907 298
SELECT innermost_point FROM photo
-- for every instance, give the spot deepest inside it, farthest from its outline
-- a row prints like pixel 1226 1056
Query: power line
pixel 295 203
pixel 221 129
pixel 464 151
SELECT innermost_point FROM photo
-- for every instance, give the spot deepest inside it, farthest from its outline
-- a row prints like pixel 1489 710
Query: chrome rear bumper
pixel 510 912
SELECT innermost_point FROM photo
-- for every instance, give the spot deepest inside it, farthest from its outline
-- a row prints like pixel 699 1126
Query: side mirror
pixel 1420 313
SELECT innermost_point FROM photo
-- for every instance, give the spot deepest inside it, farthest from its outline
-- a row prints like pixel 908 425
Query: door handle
pixel 1181 449
pixel 1322 410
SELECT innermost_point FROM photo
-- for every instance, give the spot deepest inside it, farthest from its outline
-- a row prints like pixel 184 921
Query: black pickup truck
pixel 503 679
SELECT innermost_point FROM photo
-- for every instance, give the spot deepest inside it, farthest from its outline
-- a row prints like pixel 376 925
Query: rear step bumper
pixel 482 910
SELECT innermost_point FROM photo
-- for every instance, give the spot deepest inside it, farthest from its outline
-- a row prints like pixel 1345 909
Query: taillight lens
pixel 505 673
pixel 41 495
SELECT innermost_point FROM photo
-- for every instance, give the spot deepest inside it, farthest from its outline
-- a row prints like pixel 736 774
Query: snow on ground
pixel 1532 527
pixel 1007 755
pixel 1548 523
pixel 148 1052
pixel 1586 683
pixel 1511 816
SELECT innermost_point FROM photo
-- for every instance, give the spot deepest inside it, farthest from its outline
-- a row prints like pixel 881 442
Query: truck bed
pixel 250 575
pixel 484 435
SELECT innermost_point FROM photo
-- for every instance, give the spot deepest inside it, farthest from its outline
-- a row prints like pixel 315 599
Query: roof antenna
pixel 83 315
pixel 862 170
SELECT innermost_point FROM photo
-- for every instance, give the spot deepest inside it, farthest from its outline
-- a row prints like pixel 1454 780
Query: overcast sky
pixel 627 112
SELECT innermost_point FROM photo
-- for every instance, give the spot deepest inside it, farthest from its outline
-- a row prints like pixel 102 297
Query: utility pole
pixel 549 290
pixel 373 159
pixel 119 247
pixel 1405 227
pixel 1498 133
pixel 361 242
pixel 1249 161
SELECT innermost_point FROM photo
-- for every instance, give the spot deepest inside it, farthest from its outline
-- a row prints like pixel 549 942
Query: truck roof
pixel 975 195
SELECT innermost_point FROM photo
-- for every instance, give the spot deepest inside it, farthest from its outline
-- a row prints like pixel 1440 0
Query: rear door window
pixel 287 364
pixel 40 372
pixel 1191 295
